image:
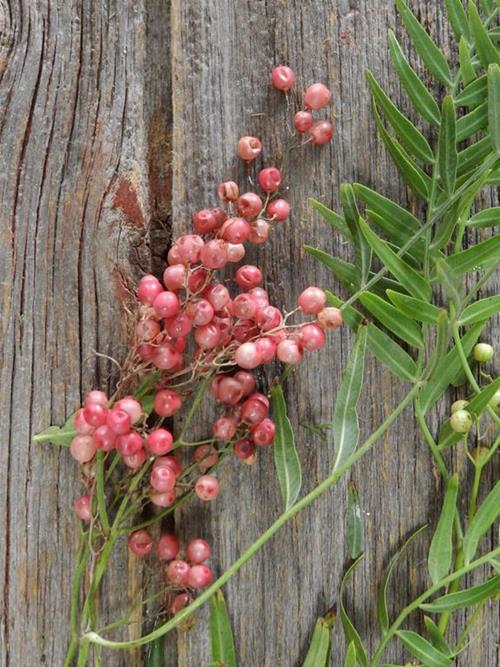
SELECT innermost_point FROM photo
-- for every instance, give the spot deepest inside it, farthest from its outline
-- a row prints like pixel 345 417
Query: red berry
pixel 289 352
pixel 244 449
pixel 96 396
pixel 140 543
pixel 179 326
pixel 317 96
pixel 259 232
pixel 278 209
pixel 248 356
pixel 168 547
pixel 166 499
pixel 83 448
pixel 217 295
pixel 229 390
pixel 267 349
pixel 246 380
pixel 200 576
pixel 229 191
pixel 159 441
pixel 95 414
pixel 214 254
pixel 208 336
pixel 269 318
pixel 255 409
pixel 263 433
pixel 175 276
pixel 179 602
pixel 235 230
pixel 224 428
pixel 198 551
pixel 303 121
pixel 249 148
pixel 148 289
pixel 129 444
pixel 330 318
pixel 321 132
pixel 248 276
pixel 312 337
pixel 162 478
pixel 166 304
pixel 207 487
pixel 312 300
pixel 204 221
pixel 236 251
pixel 82 507
pixel 189 247
pixel 269 179
pixel 135 461
pixel 131 406
pixel 167 403
pixel 249 205
pixel 282 77
pixel 81 426
pixel 105 438
pixel 178 572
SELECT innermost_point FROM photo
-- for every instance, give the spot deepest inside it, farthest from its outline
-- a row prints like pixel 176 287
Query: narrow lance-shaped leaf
pixel 345 417
pixel 350 632
pixel 319 650
pixel 344 271
pixel 474 93
pixel 490 217
pixel 486 51
pixel 465 598
pixel 392 318
pixel 58 435
pixel 221 634
pixel 286 459
pixel 441 549
pixel 351 213
pixel 467 71
pixel 333 219
pixel 447 146
pixel 458 18
pixel 480 310
pixel 414 308
pixel 155 656
pixel 475 257
pixel 494 106
pixel 354 528
pixel 437 638
pixel 423 650
pixel 450 283
pixel 350 656
pixel 486 515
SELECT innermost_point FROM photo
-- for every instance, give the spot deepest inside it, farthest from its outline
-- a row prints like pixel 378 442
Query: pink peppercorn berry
pixel 278 209
pixel 269 179
pixel 248 276
pixel 312 300
pixel 321 132
pixel 82 507
pixel 199 576
pixel 179 602
pixel 168 547
pixel 312 337
pixel 330 318
pixel 178 572
pixel 83 448
pixel 263 433
pixel 303 121
pixel 317 96
pixel 140 542
pixel 159 442
pixel 198 551
pixel 207 487
pixel 282 78
pixel 249 148
pixel 167 403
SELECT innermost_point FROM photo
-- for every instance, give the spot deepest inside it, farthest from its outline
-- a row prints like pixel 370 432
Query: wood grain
pixel 118 120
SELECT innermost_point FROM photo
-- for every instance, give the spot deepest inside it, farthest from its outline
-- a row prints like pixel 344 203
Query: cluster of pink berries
pixel 315 97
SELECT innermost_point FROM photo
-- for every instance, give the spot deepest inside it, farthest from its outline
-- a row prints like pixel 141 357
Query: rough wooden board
pixel 85 194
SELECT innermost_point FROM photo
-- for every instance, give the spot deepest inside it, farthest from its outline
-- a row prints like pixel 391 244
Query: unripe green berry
pixel 483 352
pixel 461 421
pixel 494 401
pixel 459 405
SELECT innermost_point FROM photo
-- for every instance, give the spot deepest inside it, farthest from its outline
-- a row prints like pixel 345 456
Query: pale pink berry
pixel 166 357
pixel 289 352
pixel 166 304
pixel 174 277
pixel 148 289
pixel 208 336
pixel 168 547
pixel 104 438
pixel 131 406
pixel 206 457
pixel 173 256
pixel 245 306
pixel 248 356
pixel 207 487
pixel 197 279
pixel 167 403
pixel 224 428
pixel 229 191
pixel 236 251
pixel 198 551
pixel 140 543
pixel 235 230
pixel 81 426
pixel 267 349
pixel 200 576
pixel 269 318
pixel 229 390
pixel 159 441
pixel 282 77
pixel 200 311
pixel 255 409
pixel 261 295
pixel 220 215
pixel 178 572
pixel 83 448
pixel 168 462
pixel 321 132
pixel 317 96
pixel 269 179
pixel 204 221
pixel 249 205
pixel 162 478
pixel 312 300
pixel 217 295
pixel 248 276
pixel 278 209
pixel 129 444
pixel 166 499
pixel 83 508
pixel 303 121
pixel 95 414
pixel 179 602
pixel 243 330
pixel 145 351
pixel 312 337
pixel 263 433
pixel 189 247
pixel 179 326
pixel 246 380
pixel 147 330
pixel 259 232
pixel 135 461
pixel 244 449
pixel 249 148
pixel 96 396
pixel 214 254
pixel 330 318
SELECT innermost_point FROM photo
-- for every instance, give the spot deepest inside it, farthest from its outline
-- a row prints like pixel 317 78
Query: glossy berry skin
pixel 218 296
pixel 459 405
pixel 178 572
pixel 248 277
pixel 200 576
pixel 81 426
pixel 168 547
pixel 207 487
pixel 118 421
pixel 224 428
pixel 282 78
pixel 148 289
pixel 235 231
pixel 228 191
pixel 289 352
pixel 249 148
pixel 214 254
pixel 129 444
pixel 461 421
pixel 482 353
pixel 135 461
pixel 167 403
pixel 82 507
pixel 140 543
pixel 104 438
pixel 204 221
pixel 269 179
pixel 249 205
pixel 131 407
pixel 278 210
pixel 246 380
pixel 162 479
pixel 260 231
pixel 248 356
pixel 244 449
pixel 166 499
pixel 160 441
pixel 255 409
pixel 321 132
pixel 229 390
pixel 174 277
pixel 263 433
pixel 83 448
pixel 166 304
pixel 208 336
pixel 95 414
pixel 312 337
pixel 179 602
pixel 312 300
pixel 330 318
pixel 198 551
pixel 303 121
pixel 96 396
pixel 317 96
pixel 245 306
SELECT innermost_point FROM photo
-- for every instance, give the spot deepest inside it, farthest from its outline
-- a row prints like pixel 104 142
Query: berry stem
pixel 100 494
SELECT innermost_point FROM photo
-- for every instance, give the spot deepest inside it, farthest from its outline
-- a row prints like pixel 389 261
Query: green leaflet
pixel 464 598
pixel 354 522
pixel 421 98
pixel 437 638
pixel 441 549
pixel 485 48
pixel 486 515
pixel 362 251
pixel 467 70
pixel 471 157
pixel 422 649
pixel 474 93
pixel 58 435
pixel 350 632
pixel 457 18
pixel 155 656
pixel 382 610
pixel 344 271
pixel 386 208
pixel 480 310
pixel 447 146
pixel 350 656
pixel 472 122
pixel 221 634
pixel 450 283
pixel 319 650
pixel 333 219
pixel 414 308
pixel 408 135
pixel 286 459
pixel 413 281
pixel 494 106
pixel 431 56
pixel 345 427
pixel 473 258
pixel 392 319
pixel 490 217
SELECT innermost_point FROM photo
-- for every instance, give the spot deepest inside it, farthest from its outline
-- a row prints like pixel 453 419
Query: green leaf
pixel 345 417
pixel 490 217
pixel 147 385
pixel 156 651
pixel 464 598
pixel 486 515
pixel 413 281
pixel 441 549
pixel 416 309
pixel 350 656
pixel 354 528
pixel 382 610
pixel 472 156
pixel 485 48
pixel 399 217
pixel 362 251
pixel 467 71
pixel 472 122
pixel 494 106
pixel 416 179
pixel 447 369
pixel 474 93
pixel 319 650
pixel 458 18
pixel 392 319
pixel 398 236
pixel 421 98
pixel 409 136
pixel 422 649
pixel 431 56
pixel 344 271
pixel 58 435
pixel 480 310
pixel 437 638
pixel 475 257
pixel 447 146
pixel 387 351
pixel 350 632
pixel 286 459
pixel 221 634
pixel 452 286
pixel 333 219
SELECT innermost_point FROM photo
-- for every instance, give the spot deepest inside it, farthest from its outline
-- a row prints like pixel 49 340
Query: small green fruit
pixel 494 401
pixel 483 352
pixel 459 405
pixel 461 421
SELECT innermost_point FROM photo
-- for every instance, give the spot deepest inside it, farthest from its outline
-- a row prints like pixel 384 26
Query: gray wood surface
pixel 117 121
